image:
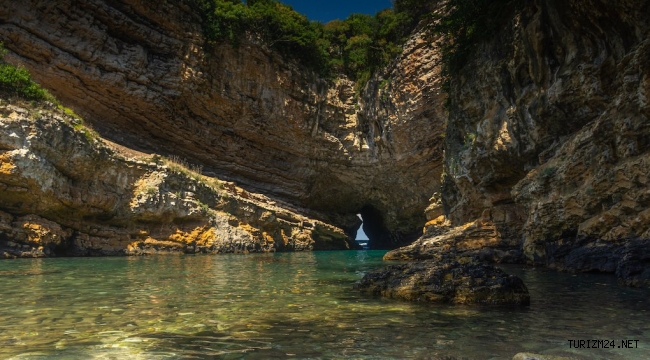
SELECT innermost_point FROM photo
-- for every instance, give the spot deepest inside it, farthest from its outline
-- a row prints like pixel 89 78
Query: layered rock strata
pixel 143 75
pixel 479 239
pixel 548 141
pixel 545 151
pixel 64 192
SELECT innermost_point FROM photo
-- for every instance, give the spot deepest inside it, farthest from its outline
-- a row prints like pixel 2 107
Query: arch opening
pixel 373 227
pixel 379 237
pixel 361 238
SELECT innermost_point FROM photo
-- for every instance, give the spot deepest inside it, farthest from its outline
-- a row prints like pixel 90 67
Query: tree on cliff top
pixel 360 44
pixel 356 46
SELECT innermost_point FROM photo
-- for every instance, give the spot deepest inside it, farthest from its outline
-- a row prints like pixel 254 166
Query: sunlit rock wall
pixel 142 74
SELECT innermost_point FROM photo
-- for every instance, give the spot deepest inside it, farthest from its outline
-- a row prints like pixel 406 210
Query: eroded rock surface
pixel 547 151
pixel 460 280
pixel 63 192
pixel 549 137
pixel 546 142
pixel 140 72
pixel 478 239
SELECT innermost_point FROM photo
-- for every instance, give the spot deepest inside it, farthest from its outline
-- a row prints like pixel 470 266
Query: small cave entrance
pixel 372 234
pixel 361 237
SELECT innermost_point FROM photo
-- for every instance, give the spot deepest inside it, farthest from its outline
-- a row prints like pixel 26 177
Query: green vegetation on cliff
pixel 356 46
pixel 18 82
pixel 360 44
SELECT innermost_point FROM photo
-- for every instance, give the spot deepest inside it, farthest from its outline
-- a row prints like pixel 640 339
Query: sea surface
pixel 293 306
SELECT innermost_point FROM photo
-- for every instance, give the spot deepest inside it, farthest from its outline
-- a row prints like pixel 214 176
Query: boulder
pixel 452 280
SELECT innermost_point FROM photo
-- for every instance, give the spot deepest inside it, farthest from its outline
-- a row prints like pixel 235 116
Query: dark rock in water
pixel 633 269
pixel 453 280
pixel 627 258
pixel 530 356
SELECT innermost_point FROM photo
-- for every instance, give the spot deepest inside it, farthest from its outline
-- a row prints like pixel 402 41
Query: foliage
pixel 281 27
pixel 69 112
pixel 89 133
pixel 356 46
pixel 361 44
pixel 180 166
pixel 17 81
pixel 414 10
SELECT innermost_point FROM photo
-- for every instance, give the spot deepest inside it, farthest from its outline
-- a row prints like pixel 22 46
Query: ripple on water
pixel 298 305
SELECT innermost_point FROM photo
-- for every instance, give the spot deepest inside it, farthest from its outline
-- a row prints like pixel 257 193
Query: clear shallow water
pixel 291 306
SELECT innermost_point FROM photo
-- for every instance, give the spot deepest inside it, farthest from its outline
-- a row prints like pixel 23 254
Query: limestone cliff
pixel 548 142
pixel 140 72
pixel 64 192
pixel 546 138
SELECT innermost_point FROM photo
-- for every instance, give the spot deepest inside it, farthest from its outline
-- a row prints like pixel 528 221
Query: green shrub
pixel 282 28
pixel 17 81
pixel 69 112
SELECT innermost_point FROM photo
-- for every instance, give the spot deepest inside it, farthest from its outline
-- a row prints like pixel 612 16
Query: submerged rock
pixel 530 356
pixel 453 280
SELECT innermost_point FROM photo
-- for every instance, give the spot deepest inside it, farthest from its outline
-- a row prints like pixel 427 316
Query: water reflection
pixel 299 305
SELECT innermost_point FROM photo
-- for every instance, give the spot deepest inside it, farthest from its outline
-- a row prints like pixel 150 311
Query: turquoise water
pixel 291 306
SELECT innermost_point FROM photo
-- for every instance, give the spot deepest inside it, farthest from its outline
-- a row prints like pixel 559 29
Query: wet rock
pixel 452 280
pixel 531 356
pixel 627 258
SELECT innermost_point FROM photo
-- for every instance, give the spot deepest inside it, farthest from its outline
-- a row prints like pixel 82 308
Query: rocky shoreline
pixel 64 192
pixel 536 151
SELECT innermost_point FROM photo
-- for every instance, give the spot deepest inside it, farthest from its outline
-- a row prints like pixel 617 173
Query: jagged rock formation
pixel 549 137
pixel 140 72
pixel 478 239
pixel 447 280
pixel 63 192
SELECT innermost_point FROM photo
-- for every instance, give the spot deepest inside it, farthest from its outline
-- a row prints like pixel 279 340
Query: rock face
pixel 549 137
pixel 140 72
pixel 447 280
pixel 479 239
pixel 546 139
pixel 63 192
